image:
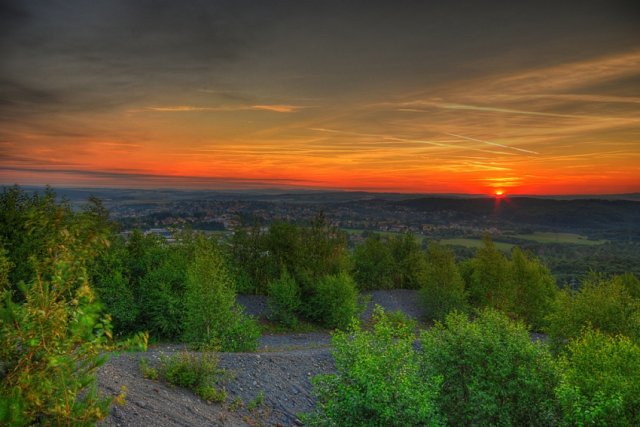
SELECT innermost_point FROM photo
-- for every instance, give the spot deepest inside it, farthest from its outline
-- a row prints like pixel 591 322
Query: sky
pixel 398 96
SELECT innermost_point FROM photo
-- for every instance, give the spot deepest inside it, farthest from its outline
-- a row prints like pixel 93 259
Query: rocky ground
pixel 281 371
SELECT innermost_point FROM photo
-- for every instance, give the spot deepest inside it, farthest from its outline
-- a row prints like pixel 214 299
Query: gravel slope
pixel 281 369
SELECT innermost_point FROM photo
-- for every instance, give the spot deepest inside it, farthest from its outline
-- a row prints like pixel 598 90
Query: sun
pixel 499 193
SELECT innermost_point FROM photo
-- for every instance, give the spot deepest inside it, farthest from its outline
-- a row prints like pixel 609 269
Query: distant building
pixel 162 232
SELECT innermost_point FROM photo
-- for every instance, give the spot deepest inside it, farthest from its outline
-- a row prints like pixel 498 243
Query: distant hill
pixel 565 214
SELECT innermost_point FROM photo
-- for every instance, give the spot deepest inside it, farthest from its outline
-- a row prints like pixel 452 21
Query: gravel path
pixel 281 369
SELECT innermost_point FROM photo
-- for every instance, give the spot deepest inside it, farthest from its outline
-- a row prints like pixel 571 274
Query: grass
pixel 568 238
pixel 476 243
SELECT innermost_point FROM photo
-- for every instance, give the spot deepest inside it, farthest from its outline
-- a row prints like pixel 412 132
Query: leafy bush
pixel 493 374
pixel 198 373
pixel 607 305
pixel 284 299
pixel 378 380
pixel 335 302
pixel 600 381
pixel 213 319
pixel 443 287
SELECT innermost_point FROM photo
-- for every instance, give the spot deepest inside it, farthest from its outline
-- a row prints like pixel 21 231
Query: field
pixel 475 243
pixel 567 238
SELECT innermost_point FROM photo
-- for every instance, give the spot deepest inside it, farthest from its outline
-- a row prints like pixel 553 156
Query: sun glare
pixel 499 193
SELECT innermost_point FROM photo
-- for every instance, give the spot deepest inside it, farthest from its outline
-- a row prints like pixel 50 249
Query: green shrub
pixel 600 381
pixel 284 300
pixel 213 319
pixel 493 373
pixel 335 302
pixel 147 371
pixel 604 304
pixel 378 380
pixel 198 373
pixel 442 286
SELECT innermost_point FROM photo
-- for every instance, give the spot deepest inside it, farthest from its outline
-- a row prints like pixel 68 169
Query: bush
pixel 284 300
pixel 604 304
pixel 335 302
pixel 493 374
pixel 378 380
pixel 600 381
pixel 443 287
pixel 198 373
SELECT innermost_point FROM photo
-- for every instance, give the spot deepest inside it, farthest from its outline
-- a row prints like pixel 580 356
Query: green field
pixel 382 233
pixel 476 243
pixel 569 238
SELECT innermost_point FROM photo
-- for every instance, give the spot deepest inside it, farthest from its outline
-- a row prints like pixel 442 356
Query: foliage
pixel 147 371
pixel 600 381
pixel 212 317
pixel 409 263
pixel 493 373
pixel 52 333
pixel 488 282
pixel 158 273
pixel 443 287
pixel 607 305
pixel 111 283
pixel 198 373
pixel 335 302
pixel 284 299
pixel 373 264
pixel 378 379
pixel 307 252
pixel 535 288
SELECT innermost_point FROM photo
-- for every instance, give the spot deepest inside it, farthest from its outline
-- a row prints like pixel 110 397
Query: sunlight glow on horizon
pixel 401 107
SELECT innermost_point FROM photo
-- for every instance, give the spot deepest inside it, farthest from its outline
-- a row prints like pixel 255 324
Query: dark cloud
pixel 80 57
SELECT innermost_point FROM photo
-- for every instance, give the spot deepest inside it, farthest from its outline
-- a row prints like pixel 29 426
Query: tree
pixel 212 317
pixel 373 264
pixel 53 335
pixel 535 288
pixel 442 287
pixel 489 284
pixel 284 299
pixel 408 261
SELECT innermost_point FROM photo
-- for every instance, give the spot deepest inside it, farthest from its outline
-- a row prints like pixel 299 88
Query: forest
pixel 73 290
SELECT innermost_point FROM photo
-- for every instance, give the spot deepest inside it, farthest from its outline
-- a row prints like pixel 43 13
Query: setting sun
pixel 499 193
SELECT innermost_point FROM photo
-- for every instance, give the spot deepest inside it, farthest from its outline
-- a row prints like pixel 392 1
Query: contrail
pixel 492 143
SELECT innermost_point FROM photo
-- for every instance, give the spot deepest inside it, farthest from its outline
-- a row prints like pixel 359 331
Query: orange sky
pixel 567 124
